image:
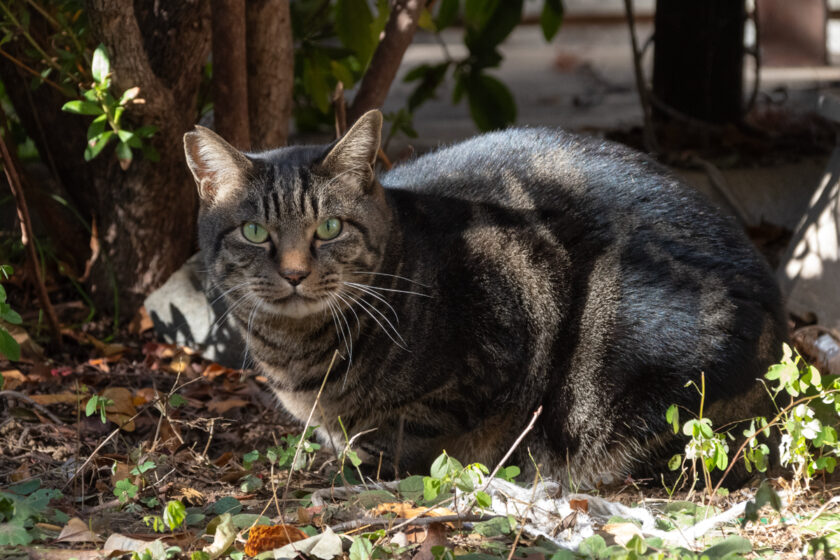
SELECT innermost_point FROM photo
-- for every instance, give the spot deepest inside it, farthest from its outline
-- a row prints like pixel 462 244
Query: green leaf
pixel 342 73
pixel 675 462
pixel 143 467
pixel 354 27
pixel 6 270
pixel 128 95
pixel 432 77
pixel 97 127
pixel 411 488
pixel 25 488
pixel 732 545
pixel 9 346
pixel 361 549
pixel 9 315
pixel 491 103
pixel 80 107
pixel 227 504
pixel 551 18
pixel 96 145
pixel 90 408
pixel 447 13
pixel 593 547
pixel 124 490
pixel 315 84
pixel 176 400
pixel 493 26
pixel 483 499
pixel 493 527
pixel 146 131
pixel 174 514
pixel 245 520
pixel 672 416
pixel 100 66
pixel 123 152
pixel 250 483
pixel 14 534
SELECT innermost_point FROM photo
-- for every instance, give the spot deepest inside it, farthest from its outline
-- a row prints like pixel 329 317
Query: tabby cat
pixel 468 287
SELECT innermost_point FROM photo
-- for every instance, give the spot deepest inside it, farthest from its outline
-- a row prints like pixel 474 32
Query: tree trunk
pixel 146 214
pixel 698 58
pixel 230 82
pixel 270 71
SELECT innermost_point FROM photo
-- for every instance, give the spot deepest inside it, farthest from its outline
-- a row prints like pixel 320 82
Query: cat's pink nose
pixel 294 277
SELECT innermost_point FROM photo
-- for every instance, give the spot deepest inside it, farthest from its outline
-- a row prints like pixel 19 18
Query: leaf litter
pixel 177 427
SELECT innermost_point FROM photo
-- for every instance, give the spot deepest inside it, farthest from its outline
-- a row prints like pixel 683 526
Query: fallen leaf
pixel 59 398
pixel 190 495
pixel 120 471
pixel 141 322
pixel 28 347
pixel 406 510
pixel 269 537
pixel 99 363
pixel 65 554
pixel 121 411
pixel 77 530
pixel 20 473
pixel 326 546
pixel 12 379
pixel 310 515
pixel 220 407
pixel 214 370
pixel 223 538
pixel 579 505
pixel 435 536
pixel 118 542
pixel 622 532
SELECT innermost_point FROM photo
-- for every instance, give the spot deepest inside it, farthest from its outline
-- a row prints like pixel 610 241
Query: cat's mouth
pixel 295 304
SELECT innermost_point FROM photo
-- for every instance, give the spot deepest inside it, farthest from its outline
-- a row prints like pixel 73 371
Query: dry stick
pixel 340 110
pixel 651 145
pixel 39 407
pixel 525 515
pixel 384 522
pixel 26 238
pixel 306 427
pixel 510 451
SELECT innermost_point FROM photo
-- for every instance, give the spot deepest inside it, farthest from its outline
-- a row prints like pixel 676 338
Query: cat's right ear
pixel 219 169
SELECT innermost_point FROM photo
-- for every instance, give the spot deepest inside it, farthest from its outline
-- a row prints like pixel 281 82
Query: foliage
pixel 98 403
pixel 108 110
pixel 281 456
pixel 21 507
pixel 8 345
pixel 806 424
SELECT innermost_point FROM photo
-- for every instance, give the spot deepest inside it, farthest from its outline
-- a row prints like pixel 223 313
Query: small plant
pixel 705 446
pixel 447 473
pixel 281 456
pixel 109 111
pixel 22 507
pixel 8 345
pixel 173 517
pixel 97 403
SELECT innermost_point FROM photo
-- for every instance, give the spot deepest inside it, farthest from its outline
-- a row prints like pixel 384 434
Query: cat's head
pixel 286 228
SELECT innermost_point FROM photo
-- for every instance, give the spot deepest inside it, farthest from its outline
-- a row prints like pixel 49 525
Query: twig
pixel 385 522
pixel 651 145
pixel 527 510
pixel 510 451
pixel 26 68
pixel 340 110
pixel 39 407
pixel 306 426
pixel 26 237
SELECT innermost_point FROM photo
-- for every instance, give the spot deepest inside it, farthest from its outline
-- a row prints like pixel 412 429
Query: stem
pixel 702 392
pixel 26 68
pixel 27 237
pixel 29 38
pixel 80 50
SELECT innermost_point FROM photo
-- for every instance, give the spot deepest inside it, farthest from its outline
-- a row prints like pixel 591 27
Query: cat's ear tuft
pixel 219 169
pixel 355 154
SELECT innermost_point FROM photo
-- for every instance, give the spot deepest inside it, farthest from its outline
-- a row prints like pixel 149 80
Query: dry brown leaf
pixel 406 510
pixel 77 530
pixel 269 537
pixel 579 505
pixel 122 409
pixel 120 471
pixel 65 554
pixel 59 398
pixel 214 370
pixel 622 532
pixel 12 379
pixel 141 322
pixel 435 536
pixel 220 407
pixel 310 515
pixel 190 495
pixel 20 473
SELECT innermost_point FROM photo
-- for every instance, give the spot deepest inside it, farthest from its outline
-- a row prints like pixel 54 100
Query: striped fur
pixel 523 268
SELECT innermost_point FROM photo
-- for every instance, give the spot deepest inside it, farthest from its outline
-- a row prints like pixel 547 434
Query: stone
pixel 183 315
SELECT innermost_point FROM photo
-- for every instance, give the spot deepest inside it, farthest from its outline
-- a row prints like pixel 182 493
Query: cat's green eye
pixel 254 233
pixel 328 229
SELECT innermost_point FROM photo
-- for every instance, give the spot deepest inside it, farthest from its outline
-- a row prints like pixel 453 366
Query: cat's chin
pixel 297 307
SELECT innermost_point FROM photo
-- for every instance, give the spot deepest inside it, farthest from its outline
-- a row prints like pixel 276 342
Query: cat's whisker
pixel 331 307
pixel 226 292
pixel 367 307
pixel 348 338
pixel 338 294
pixel 387 289
pixel 375 295
pixel 221 318
pixel 257 305
pixel 389 275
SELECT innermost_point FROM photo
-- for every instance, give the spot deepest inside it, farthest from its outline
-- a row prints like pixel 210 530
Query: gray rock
pixel 183 314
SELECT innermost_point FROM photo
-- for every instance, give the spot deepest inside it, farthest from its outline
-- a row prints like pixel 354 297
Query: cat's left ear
pixel 355 154
pixel 219 169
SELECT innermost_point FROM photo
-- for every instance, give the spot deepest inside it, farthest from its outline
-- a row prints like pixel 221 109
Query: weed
pixel 8 345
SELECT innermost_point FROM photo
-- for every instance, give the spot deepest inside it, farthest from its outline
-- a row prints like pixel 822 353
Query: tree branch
pixel 399 32
pixel 117 26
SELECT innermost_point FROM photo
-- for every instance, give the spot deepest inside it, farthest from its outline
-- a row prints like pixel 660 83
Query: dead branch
pixel 399 32
pixel 39 407
pixel 387 522
pixel 26 237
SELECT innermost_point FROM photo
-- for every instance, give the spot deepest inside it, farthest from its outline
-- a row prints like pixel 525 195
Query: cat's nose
pixel 294 277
